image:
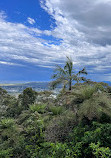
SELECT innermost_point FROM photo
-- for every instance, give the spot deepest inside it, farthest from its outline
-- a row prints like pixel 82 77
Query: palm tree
pixel 84 72
pixel 66 76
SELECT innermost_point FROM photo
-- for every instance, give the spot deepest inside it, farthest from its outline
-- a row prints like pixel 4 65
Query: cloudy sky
pixel 36 35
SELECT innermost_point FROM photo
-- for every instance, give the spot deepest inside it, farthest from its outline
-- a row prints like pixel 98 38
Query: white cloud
pixel 84 26
pixel 18 43
pixel 9 63
pixel 83 29
pixel 31 21
pixel 85 16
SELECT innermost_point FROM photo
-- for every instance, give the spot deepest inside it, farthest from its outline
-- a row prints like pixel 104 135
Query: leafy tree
pixel 8 104
pixel 66 75
pixel 27 97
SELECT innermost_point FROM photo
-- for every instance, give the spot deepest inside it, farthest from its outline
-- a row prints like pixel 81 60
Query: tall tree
pixel 28 97
pixel 66 75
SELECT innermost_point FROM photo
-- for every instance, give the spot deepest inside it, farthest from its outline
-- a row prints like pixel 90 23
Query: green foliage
pixel 100 152
pixel 55 150
pixel 60 126
pixel 34 137
pixel 27 98
pixel 3 92
pixel 83 136
pixel 56 110
pixel 96 106
pixel 75 125
pixel 109 89
pixel 6 153
pixel 12 143
pixel 8 104
pixel 38 108
pixel 6 123
pixel 87 92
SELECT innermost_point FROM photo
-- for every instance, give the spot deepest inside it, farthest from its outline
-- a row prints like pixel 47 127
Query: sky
pixel 36 35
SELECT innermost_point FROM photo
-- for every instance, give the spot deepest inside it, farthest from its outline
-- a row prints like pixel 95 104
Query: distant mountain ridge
pixel 37 86
pixel 19 87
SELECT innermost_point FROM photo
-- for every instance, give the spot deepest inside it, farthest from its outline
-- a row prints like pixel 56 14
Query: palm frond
pixel 57 82
pixel 59 69
pixel 83 71
pixel 54 76
pixel 69 66
pixel 74 77
pixel 83 79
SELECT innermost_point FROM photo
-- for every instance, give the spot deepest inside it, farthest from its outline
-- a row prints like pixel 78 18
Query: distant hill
pixel 18 88
pixel 37 86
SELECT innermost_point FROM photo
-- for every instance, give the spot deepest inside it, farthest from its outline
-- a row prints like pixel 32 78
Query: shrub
pixel 60 126
pixel 103 152
pixel 87 92
pixel 12 143
pixel 95 107
pixel 6 153
pixel 38 107
pixel 83 136
pixel 56 110
pixel 7 123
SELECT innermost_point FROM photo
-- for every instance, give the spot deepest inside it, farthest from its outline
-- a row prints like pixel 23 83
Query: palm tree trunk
pixel 70 85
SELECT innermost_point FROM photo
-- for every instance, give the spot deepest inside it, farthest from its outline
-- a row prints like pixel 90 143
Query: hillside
pixel 74 124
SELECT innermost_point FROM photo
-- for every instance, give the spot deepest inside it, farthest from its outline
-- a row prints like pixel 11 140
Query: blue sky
pixel 36 35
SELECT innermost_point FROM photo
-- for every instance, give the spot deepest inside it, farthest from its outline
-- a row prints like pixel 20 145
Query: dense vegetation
pixel 74 124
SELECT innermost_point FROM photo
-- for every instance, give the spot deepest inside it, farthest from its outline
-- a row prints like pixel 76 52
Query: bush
pixel 39 108
pixel 95 107
pixel 7 123
pixel 6 153
pixel 59 127
pixel 103 152
pixel 56 110
pixel 83 136
pixel 55 150
pixel 12 143
pixel 87 92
